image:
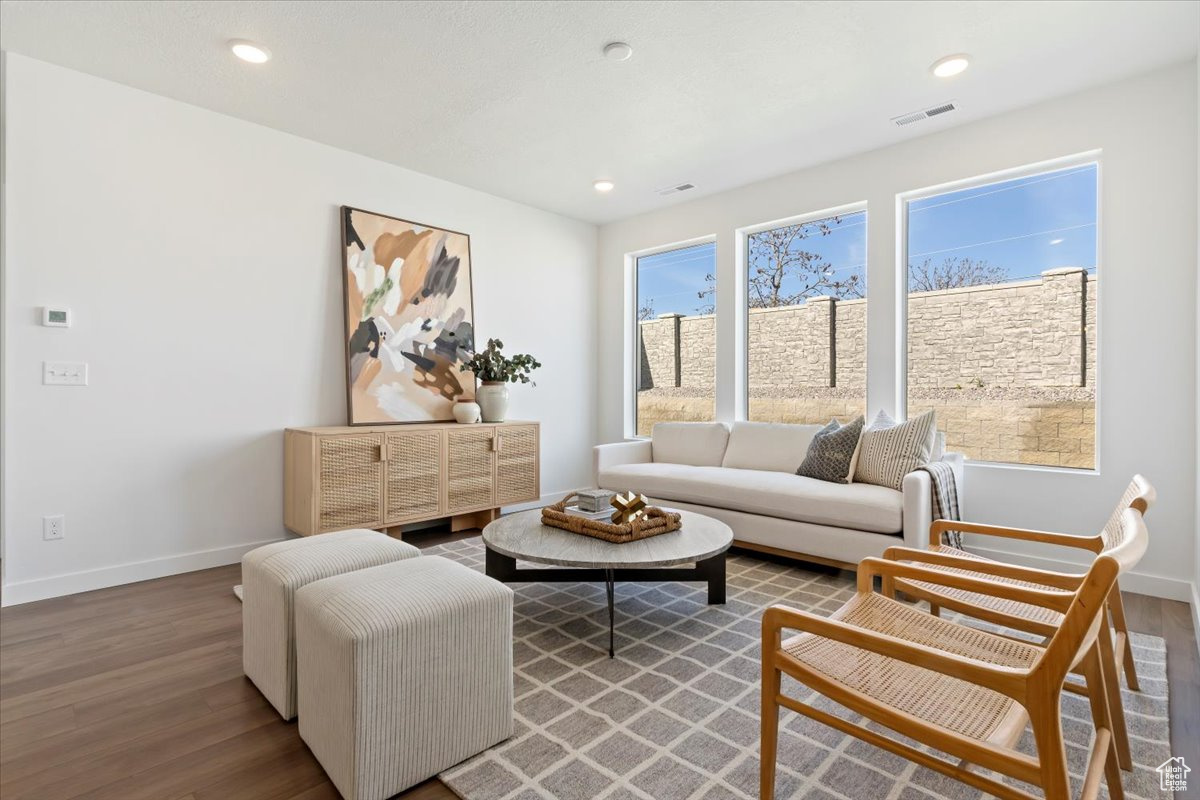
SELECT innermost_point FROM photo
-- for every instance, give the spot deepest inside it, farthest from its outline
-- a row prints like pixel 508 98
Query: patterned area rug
pixel 675 714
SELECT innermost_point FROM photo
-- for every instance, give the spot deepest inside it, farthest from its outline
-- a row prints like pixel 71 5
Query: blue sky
pixel 1023 226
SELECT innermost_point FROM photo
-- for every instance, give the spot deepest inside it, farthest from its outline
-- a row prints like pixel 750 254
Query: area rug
pixel 675 714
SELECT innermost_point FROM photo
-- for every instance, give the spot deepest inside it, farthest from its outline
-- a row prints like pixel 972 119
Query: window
pixel 676 336
pixel 806 325
pixel 1002 316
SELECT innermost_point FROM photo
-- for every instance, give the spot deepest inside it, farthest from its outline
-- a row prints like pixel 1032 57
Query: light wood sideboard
pixel 384 476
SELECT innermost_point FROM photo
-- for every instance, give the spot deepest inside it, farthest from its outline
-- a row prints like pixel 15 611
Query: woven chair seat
pixel 1012 608
pixel 940 700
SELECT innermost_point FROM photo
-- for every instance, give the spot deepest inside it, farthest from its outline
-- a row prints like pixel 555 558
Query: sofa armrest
pixel 918 501
pixel 633 451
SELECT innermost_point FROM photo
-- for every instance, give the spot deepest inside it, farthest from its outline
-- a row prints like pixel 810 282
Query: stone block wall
pixel 1038 333
pixel 1010 369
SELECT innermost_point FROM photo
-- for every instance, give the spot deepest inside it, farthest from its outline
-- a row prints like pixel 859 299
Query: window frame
pixel 632 360
pixel 1085 158
pixel 742 293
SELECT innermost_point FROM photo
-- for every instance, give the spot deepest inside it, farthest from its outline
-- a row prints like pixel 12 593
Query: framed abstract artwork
pixel 410 320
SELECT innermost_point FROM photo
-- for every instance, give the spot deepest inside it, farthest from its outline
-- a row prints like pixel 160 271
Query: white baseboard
pixel 1135 581
pixel 1196 610
pixel 545 500
pixel 120 574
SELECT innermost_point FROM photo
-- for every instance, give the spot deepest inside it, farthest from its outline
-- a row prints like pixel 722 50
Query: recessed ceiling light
pixel 1056 241
pixel 950 65
pixel 617 51
pixel 603 186
pixel 249 51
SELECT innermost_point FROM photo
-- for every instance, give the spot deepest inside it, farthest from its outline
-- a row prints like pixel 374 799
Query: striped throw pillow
pixel 889 451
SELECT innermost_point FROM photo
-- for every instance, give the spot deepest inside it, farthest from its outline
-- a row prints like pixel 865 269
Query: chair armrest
pixel 1092 543
pixel 1008 680
pixel 632 451
pixel 1057 580
pixel 1056 599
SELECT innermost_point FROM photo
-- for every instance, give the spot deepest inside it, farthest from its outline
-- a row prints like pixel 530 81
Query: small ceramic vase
pixel 466 411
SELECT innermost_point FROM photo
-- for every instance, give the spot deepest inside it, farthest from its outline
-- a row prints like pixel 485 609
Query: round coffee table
pixel 701 541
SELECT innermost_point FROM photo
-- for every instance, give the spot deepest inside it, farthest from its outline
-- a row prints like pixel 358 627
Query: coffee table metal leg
pixel 608 590
pixel 713 571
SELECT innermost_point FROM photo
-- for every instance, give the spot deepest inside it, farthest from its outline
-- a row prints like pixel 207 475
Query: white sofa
pixel 744 475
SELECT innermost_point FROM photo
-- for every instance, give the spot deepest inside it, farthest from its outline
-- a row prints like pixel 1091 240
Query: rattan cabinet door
pixel 517 464
pixel 351 482
pixel 470 469
pixel 414 476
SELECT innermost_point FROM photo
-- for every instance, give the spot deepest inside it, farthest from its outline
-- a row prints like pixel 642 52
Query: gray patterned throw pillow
pixel 831 452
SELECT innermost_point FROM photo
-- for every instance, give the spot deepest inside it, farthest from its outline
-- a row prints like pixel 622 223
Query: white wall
pixel 200 255
pixel 1146 127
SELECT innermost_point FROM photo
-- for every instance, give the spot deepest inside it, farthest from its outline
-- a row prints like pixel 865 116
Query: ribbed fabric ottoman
pixel 404 670
pixel 270 577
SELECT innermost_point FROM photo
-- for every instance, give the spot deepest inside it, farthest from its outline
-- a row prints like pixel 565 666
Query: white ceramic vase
pixel 492 397
pixel 466 411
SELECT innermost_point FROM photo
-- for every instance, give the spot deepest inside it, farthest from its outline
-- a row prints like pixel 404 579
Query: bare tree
pixel 782 273
pixel 952 273
pixel 646 311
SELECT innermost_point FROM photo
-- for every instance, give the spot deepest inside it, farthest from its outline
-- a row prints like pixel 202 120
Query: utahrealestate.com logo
pixel 1172 775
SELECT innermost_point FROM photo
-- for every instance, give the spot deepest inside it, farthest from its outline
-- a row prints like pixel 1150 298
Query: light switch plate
pixel 64 373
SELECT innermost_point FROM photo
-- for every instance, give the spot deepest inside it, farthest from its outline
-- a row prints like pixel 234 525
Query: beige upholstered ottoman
pixel 404 670
pixel 270 577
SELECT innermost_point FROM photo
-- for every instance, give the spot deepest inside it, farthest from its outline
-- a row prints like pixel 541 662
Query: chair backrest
pixel 1139 495
pixel 1083 618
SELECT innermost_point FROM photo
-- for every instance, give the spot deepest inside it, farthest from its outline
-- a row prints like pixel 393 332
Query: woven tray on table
pixel 654 522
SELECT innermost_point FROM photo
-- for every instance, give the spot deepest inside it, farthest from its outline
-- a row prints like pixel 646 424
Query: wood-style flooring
pixel 137 692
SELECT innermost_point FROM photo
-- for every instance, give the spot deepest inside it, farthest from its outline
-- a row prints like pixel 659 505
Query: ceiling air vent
pixel 674 189
pixel 917 116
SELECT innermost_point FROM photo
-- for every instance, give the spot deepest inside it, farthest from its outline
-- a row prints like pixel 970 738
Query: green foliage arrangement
pixel 493 366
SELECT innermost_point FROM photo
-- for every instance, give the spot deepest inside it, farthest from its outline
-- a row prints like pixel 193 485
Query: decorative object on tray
pixel 594 499
pixel 494 370
pixel 466 411
pixel 629 506
pixel 652 522
pixel 409 318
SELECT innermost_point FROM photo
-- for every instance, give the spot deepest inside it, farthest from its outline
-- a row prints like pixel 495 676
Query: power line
pixel 1053 177
pixel 998 241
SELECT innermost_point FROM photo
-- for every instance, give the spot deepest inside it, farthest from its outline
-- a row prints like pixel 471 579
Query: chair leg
pixel 935 610
pixel 1102 717
pixel 769 739
pixel 1046 721
pixel 1117 606
pixel 1116 708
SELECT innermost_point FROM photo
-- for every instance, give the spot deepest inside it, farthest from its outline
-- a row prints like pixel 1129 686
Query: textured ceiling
pixel 514 98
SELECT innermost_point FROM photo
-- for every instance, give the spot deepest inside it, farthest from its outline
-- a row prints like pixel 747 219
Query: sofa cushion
pixel 768 445
pixel 699 444
pixel 859 506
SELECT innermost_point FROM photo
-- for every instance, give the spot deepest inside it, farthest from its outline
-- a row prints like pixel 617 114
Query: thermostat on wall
pixel 56 317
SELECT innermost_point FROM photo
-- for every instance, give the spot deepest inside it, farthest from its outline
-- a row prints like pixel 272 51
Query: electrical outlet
pixel 54 528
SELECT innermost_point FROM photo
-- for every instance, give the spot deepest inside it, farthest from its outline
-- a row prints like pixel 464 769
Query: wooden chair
pixel 961 691
pixel 1115 648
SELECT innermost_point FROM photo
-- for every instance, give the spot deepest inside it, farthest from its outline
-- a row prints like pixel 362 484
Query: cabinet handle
pixel 383 452
pixel 496 443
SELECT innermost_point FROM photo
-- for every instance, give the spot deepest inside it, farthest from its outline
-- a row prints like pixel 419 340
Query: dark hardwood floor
pixel 137 692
